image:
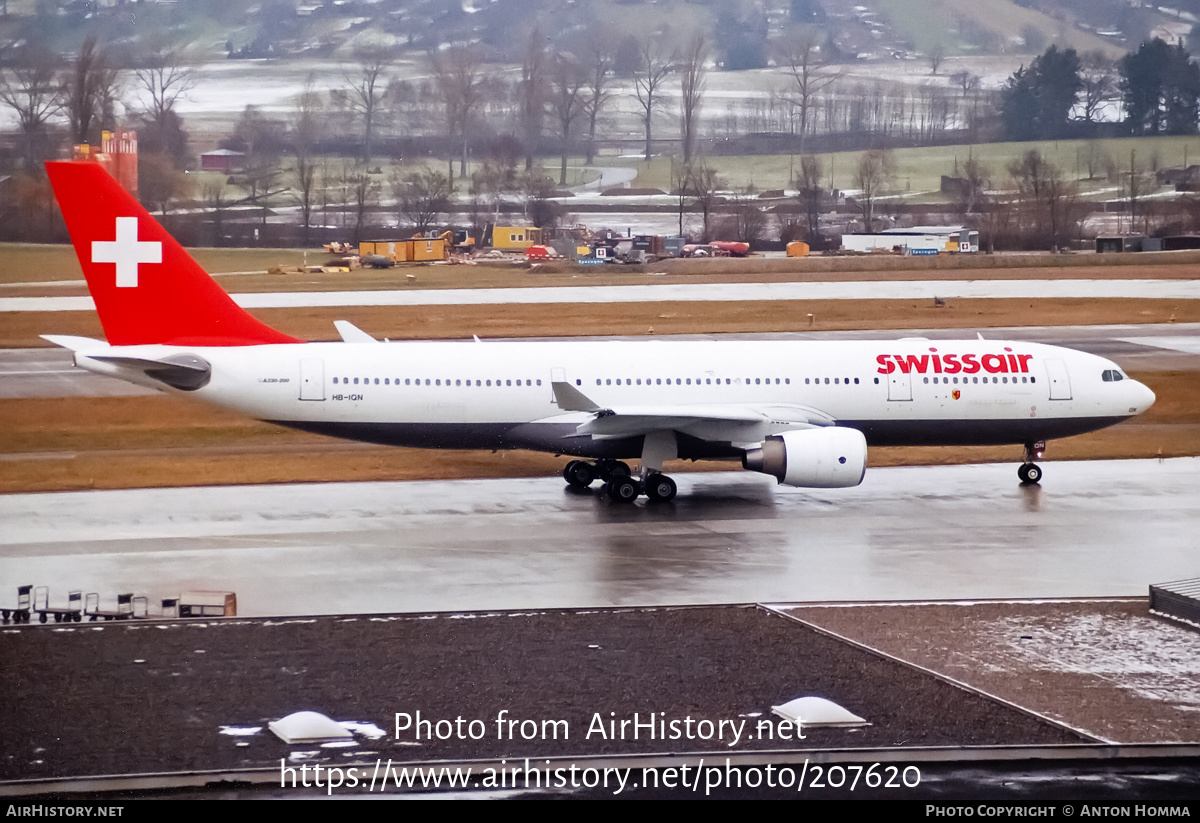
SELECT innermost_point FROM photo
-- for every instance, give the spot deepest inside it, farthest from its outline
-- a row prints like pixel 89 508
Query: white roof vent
pixel 817 711
pixel 308 727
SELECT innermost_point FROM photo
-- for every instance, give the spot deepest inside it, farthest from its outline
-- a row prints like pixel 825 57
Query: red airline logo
pixel 935 363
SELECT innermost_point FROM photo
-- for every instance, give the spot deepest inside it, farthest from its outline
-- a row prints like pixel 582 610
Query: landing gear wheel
pixel 660 488
pixel 623 489
pixel 579 474
pixel 1030 473
pixel 608 469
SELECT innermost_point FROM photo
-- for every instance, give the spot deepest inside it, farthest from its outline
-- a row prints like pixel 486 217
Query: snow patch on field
pixel 1152 659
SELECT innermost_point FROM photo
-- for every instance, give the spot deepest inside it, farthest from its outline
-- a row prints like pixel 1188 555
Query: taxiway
pixel 914 533
pixel 687 292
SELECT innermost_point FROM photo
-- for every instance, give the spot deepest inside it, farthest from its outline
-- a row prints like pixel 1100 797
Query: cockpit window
pixel 1112 376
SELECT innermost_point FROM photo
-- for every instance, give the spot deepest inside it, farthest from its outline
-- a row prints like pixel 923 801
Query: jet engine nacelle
pixel 825 458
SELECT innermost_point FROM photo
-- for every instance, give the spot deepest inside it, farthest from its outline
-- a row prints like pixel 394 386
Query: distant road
pixel 690 292
pixel 610 177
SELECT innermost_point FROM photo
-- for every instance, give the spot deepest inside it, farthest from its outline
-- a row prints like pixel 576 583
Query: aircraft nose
pixel 1141 397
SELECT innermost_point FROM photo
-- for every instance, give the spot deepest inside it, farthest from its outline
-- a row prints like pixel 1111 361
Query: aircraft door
pixel 899 386
pixel 1060 380
pixel 312 379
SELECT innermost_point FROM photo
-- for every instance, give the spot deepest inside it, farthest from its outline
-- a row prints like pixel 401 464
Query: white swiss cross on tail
pixel 126 252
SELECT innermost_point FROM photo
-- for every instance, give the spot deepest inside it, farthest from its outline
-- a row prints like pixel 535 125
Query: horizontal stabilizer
pixel 185 372
pixel 73 343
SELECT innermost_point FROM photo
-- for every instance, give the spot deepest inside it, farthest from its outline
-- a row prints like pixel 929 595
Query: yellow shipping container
pixel 421 249
pixel 515 237
pixel 384 248
pixel 414 250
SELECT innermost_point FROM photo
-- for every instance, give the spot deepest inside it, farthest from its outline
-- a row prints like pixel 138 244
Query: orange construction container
pixel 422 248
pixel 797 249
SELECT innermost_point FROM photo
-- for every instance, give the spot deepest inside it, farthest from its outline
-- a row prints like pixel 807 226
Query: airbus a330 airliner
pixel 804 412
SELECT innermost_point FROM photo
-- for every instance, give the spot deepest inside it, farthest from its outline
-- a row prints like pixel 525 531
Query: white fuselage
pixel 500 395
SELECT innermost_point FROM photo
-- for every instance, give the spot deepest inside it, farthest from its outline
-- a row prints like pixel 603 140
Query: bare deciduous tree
pixel 366 90
pixel 702 184
pixel 261 140
pixel 966 81
pixel 800 56
pixel 165 75
pixel 459 84
pixel 159 183
pixel 654 64
pixel 749 219
pixel 533 94
pixel 811 196
pixel 568 85
pixel 976 176
pixel 937 54
pixel 305 191
pixel 306 117
pixel 1045 197
pixel 92 86
pixel 692 75
pixel 422 196
pixel 1099 79
pixel 216 197
pixel 493 181
pixel 681 178
pixel 872 175
pixel 365 194
pixel 540 207
pixel 32 89
pixel 600 72
pixel 306 125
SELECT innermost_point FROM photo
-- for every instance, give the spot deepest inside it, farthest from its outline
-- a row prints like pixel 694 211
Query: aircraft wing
pixel 733 423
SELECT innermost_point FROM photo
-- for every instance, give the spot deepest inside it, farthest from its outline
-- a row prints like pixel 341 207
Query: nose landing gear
pixel 1030 472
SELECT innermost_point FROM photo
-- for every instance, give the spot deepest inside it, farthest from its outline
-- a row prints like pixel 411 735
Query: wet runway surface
pixel 52 373
pixel 1092 529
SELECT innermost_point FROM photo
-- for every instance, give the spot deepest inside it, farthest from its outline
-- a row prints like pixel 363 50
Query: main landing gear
pixel 619 483
pixel 1030 472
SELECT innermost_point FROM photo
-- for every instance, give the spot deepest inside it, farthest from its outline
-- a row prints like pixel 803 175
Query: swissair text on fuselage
pixel 1006 363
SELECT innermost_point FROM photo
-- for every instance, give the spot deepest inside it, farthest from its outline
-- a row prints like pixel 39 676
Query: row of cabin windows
pixel 708 381
pixel 678 381
pixel 966 380
pixel 658 381
pixel 685 381
pixel 408 381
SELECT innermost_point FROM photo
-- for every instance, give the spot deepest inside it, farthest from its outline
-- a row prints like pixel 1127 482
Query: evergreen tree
pixel 1036 102
pixel 743 41
pixel 1160 86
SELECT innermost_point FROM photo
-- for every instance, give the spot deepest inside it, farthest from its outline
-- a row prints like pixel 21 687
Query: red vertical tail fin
pixel 147 289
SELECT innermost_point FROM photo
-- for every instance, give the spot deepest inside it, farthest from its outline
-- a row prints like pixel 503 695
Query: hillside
pixel 987 27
